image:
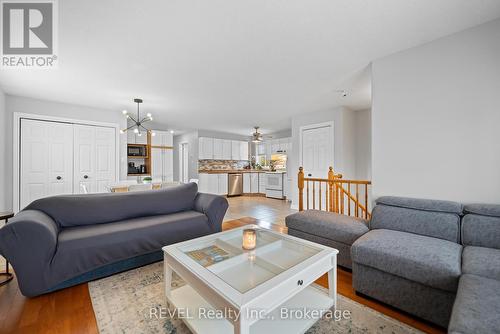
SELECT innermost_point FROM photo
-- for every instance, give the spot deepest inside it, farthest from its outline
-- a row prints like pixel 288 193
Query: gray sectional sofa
pixel 422 256
pixel 61 241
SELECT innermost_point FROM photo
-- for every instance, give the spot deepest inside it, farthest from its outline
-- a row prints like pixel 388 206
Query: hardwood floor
pixel 70 310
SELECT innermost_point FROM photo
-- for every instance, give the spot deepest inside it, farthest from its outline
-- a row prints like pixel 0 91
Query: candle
pixel 249 239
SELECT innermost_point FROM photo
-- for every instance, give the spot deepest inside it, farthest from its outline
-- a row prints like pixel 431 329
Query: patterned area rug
pixel 122 304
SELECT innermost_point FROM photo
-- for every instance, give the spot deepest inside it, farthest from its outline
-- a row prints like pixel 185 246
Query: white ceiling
pixel 227 65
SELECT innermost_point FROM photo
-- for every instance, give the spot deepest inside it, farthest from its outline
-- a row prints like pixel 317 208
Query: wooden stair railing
pixel 334 194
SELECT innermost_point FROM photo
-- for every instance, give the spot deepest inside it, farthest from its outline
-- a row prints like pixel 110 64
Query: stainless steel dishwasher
pixel 235 184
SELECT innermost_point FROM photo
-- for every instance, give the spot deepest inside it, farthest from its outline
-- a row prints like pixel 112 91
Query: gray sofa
pixel 477 306
pixel 61 241
pixel 411 258
pixel 421 256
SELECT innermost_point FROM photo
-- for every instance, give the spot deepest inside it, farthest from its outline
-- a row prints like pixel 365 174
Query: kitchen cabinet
pixel 254 182
pixel 212 183
pixel 222 184
pixel 162 138
pixel 235 150
pixel 205 148
pixel 218 147
pixel 243 150
pixel 226 149
pixel 133 138
pixel 275 146
pixel 246 183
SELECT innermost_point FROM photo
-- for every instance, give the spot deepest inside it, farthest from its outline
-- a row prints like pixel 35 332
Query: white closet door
pixel 105 158
pixel 94 158
pixel 85 158
pixel 46 160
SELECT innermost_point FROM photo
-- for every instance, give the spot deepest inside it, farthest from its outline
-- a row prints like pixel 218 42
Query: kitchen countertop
pixel 229 171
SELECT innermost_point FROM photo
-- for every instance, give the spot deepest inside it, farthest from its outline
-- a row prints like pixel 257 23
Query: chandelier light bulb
pixel 153 133
pixel 136 130
pixel 149 115
pixel 124 112
pixel 140 134
pixel 122 131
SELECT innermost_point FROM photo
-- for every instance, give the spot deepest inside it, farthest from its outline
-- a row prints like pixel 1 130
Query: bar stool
pixel 6 276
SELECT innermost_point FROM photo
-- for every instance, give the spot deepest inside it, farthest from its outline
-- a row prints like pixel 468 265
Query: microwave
pixel 136 151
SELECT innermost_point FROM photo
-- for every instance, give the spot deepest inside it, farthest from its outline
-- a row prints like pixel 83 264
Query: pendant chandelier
pixel 138 123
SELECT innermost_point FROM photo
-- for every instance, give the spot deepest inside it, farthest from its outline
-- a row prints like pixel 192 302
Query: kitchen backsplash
pixel 221 164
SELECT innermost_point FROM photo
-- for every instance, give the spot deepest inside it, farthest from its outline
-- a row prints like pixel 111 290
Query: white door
pixel 46 160
pixel 316 156
pixel 94 158
pixel 316 151
pixel 184 163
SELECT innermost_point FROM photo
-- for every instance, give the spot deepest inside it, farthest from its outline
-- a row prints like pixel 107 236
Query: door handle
pixel 59 178
pixel 309 175
pixel 85 176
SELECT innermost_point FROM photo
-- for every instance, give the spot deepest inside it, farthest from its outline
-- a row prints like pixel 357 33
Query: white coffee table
pixel 266 290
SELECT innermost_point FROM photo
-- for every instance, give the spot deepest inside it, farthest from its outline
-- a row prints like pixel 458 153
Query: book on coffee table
pixel 208 255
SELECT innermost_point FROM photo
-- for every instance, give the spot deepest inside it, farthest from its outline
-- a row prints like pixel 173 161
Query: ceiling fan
pixel 257 136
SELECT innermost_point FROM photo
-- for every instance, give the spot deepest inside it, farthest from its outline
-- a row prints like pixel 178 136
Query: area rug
pixel 122 304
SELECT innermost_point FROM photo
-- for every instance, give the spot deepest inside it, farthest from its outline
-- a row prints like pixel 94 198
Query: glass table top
pixel 243 269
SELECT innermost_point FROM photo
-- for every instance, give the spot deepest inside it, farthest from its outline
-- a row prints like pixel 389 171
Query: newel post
pixel 331 177
pixel 301 188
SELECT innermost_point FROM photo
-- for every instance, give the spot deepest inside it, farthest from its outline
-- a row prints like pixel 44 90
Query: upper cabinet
pixel 222 149
pixel 162 138
pixel 205 148
pixel 269 147
pixel 226 149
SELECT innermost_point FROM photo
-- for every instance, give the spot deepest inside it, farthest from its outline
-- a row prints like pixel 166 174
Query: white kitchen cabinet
pixel 235 150
pixel 203 182
pixel 205 148
pixel 213 184
pixel 222 184
pixel 246 183
pixel 243 150
pixel 133 138
pixel 226 149
pixel 254 182
pixel 162 164
pixel 218 148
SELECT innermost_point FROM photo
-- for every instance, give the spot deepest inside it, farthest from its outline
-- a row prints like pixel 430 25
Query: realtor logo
pixel 28 34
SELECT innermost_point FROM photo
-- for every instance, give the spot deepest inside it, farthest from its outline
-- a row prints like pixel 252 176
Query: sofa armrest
pixel 214 207
pixel 29 241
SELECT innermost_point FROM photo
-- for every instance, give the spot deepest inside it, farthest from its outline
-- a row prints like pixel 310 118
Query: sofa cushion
pixel 477 306
pixel 492 210
pixel 441 225
pixel 429 261
pixel 481 261
pixel 328 225
pixel 481 231
pixel 90 209
pixel 421 204
pixel 84 248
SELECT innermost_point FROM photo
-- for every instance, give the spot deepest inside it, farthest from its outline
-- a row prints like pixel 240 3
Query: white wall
pixel 436 119
pixel 344 143
pixel 4 185
pixel 33 106
pixel 363 169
